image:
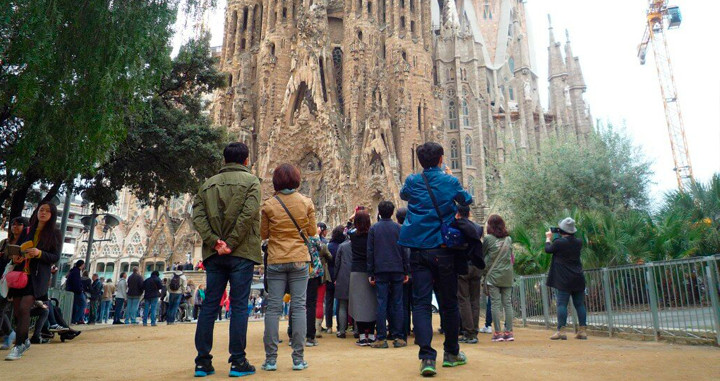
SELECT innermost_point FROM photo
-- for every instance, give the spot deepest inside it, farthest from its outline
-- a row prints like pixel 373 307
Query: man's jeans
pixel 293 276
pixel 105 306
pixel 173 307
pixel 578 299
pixel 150 308
pixel 239 272
pixel 469 300
pixel 118 309
pixel 428 267
pixel 131 312
pixel 389 291
pixel 94 311
pixel 78 311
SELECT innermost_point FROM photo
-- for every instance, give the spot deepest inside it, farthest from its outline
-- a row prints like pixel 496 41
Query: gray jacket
pixel 343 264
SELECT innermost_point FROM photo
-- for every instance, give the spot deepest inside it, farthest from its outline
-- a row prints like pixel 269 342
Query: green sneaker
pixel 450 360
pixel 427 368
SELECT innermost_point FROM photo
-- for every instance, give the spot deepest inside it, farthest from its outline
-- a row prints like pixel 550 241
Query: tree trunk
pixel 53 191
pixel 17 204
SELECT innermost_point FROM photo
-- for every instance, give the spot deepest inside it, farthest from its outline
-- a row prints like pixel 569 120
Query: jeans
pixel 118 310
pixel 105 310
pixel 94 311
pixel 78 311
pixel 578 298
pixel 150 309
pixel 5 327
pixel 293 276
pixel 329 304
pixel 469 301
pixel 407 306
pixel 220 270
pixel 342 315
pixel 501 300
pixel 173 307
pixel 488 313
pixel 131 312
pixel 196 310
pixel 428 267
pixel 389 291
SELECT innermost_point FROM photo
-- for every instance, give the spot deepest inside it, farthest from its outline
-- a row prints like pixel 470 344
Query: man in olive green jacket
pixel 226 214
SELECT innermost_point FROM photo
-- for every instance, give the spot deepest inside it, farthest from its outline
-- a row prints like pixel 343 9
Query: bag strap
pixel 432 197
pixel 501 254
pixel 302 235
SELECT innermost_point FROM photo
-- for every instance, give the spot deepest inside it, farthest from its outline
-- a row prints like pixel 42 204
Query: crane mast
pixel 660 18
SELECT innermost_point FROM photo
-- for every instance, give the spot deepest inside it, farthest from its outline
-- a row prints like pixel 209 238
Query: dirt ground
pixel 167 352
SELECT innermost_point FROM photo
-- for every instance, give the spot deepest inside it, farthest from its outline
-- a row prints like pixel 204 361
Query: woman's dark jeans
pixel 578 298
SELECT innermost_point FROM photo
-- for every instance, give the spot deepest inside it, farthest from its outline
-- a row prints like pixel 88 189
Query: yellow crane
pixel 660 18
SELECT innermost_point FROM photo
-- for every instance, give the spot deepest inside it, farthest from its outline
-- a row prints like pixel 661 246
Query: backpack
pixel 316 268
pixel 175 283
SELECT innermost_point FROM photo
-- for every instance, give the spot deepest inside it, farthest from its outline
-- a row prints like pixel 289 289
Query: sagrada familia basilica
pixel 347 89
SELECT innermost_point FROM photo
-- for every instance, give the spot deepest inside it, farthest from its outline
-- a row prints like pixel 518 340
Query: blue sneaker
pixel 9 339
pixel 300 364
pixel 241 368
pixel 269 366
pixel 204 370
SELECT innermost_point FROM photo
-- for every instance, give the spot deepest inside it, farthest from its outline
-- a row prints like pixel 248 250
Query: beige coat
pixel 285 244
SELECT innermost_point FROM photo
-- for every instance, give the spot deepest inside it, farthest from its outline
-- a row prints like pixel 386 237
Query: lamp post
pixel 89 221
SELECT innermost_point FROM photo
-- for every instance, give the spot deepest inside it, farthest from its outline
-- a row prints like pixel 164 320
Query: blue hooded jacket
pixel 421 229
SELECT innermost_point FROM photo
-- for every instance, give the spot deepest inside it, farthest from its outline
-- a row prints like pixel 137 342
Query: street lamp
pixel 89 221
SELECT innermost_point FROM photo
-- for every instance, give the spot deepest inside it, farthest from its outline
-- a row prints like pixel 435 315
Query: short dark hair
pixel 79 263
pixel 286 176
pixel 338 234
pixel 236 153
pixel 322 226
pixel 463 211
pixel 155 273
pixel 496 226
pixel 123 274
pixel 362 221
pixel 386 209
pixel 20 220
pixel 400 215
pixel 429 154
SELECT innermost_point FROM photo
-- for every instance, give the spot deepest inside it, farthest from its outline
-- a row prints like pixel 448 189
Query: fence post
pixel 652 294
pixel 608 300
pixel 523 302
pixel 545 302
pixel 712 283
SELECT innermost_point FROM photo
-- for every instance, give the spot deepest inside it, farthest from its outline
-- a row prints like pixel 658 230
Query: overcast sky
pixel 605 36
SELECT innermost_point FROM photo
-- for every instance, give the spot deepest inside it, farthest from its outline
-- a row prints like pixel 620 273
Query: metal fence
pixel 65 301
pixel 668 299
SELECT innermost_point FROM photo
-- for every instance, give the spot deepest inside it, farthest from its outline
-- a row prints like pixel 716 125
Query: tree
pixel 71 74
pixel 606 172
pixel 174 148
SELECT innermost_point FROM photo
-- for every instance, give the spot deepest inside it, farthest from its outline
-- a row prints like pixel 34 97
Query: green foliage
pixel 174 147
pixel 607 172
pixel 688 224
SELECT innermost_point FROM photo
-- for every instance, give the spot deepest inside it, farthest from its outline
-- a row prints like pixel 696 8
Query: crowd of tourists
pixel 375 281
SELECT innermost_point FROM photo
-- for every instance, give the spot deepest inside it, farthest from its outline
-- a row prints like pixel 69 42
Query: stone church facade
pixel 348 89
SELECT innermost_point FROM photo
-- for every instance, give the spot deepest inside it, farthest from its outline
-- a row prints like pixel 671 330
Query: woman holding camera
pixel 566 276
pixel 497 249
pixel 43 239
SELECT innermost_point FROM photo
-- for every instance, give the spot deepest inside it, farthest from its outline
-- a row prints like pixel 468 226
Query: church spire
pixel 556 64
pixel 572 63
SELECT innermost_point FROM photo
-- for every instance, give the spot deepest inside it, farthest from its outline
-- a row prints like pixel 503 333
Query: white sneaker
pixel 485 330
pixel 16 352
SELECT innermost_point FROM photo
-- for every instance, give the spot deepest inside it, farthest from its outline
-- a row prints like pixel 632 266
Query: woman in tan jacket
pixel 288 220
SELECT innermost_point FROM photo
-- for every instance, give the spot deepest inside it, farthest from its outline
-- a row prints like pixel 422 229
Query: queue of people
pixel 376 282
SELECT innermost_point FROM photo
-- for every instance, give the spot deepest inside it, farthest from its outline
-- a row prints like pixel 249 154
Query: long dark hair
pixel 338 234
pixel 50 235
pixel 496 226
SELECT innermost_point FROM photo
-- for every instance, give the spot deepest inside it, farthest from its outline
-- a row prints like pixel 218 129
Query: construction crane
pixel 660 18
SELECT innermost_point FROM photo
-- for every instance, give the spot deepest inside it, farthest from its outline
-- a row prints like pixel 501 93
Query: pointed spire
pixel 556 64
pixel 550 29
pixel 575 76
pixel 450 13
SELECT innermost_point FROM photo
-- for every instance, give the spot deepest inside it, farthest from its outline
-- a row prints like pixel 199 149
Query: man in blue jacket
pixel 430 261
pixel 388 270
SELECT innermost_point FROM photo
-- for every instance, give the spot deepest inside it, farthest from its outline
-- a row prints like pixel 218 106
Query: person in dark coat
pixel 135 291
pixel 96 290
pixel 336 239
pixel 42 244
pixel 74 285
pixel 343 266
pixel 152 287
pixel 469 284
pixel 566 276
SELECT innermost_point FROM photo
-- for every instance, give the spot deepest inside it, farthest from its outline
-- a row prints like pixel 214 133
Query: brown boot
pixel 581 333
pixel 559 335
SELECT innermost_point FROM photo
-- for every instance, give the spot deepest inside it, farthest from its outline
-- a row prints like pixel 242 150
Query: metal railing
pixel 65 301
pixel 668 299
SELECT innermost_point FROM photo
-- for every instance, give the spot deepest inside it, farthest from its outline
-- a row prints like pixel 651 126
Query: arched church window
pixel 454 163
pixel 468 151
pixel 466 113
